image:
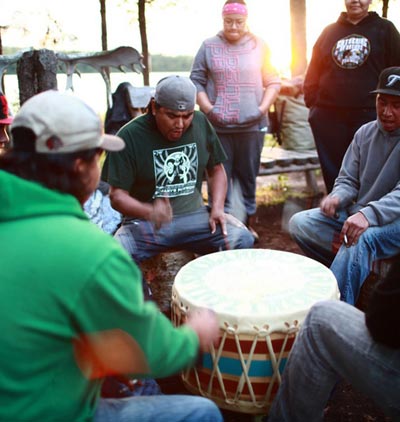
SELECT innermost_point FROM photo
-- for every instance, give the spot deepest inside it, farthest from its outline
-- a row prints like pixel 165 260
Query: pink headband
pixel 234 9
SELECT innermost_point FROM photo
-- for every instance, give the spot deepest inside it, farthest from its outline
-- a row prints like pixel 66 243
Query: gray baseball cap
pixel 176 93
pixel 389 82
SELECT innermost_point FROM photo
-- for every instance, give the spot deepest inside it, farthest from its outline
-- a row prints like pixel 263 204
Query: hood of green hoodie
pixel 21 199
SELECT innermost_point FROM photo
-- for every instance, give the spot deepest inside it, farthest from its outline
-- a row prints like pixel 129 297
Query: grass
pixel 278 192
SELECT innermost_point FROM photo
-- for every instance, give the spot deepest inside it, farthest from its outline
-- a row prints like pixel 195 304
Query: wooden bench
pixel 276 160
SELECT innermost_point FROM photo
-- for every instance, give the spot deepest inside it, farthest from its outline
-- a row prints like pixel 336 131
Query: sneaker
pixel 255 234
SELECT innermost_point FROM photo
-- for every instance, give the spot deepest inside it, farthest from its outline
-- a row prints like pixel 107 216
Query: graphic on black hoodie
pixel 351 52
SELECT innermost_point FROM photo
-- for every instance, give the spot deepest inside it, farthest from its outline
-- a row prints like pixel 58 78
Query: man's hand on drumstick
pixel 161 212
pixel 204 322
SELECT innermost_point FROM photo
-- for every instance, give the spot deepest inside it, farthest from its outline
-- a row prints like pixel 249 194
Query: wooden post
pixel 298 37
pixel 37 72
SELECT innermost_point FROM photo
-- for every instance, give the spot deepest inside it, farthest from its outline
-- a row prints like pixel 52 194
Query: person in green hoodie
pixel 71 304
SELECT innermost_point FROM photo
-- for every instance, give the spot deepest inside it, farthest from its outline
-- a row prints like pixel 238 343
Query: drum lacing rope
pixel 263 332
pixel 246 367
pixel 216 357
pixel 291 329
pixel 244 378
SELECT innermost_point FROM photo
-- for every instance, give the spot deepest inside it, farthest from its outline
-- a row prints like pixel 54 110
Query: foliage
pixel 278 191
pixel 161 63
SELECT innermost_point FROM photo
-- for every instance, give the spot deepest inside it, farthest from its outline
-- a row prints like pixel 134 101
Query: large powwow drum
pixel 261 298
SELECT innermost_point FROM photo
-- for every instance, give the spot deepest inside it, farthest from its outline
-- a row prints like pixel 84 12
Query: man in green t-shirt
pixel 156 181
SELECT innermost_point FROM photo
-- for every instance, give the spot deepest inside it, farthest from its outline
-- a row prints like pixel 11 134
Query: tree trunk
pixel 385 8
pixel 104 47
pixel 37 72
pixel 103 25
pixel 143 37
pixel 298 37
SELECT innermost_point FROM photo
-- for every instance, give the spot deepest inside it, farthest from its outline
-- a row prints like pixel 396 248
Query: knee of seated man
pixel 369 235
pixel 126 240
pixel 248 241
pixel 324 314
pixel 367 239
pixel 293 224
pixel 239 236
pixel 242 238
pixel 296 223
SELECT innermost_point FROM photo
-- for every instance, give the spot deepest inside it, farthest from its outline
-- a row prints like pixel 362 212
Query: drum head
pixel 251 287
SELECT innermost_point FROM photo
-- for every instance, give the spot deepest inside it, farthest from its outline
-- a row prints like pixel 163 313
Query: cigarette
pixel 346 242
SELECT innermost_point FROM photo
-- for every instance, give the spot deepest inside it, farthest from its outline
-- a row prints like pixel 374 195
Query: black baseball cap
pixel 389 82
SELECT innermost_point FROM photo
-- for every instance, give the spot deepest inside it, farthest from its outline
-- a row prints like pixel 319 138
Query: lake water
pixel 90 87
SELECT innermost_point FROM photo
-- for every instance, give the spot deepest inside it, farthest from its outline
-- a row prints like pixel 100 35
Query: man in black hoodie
pixel 339 341
pixel 346 62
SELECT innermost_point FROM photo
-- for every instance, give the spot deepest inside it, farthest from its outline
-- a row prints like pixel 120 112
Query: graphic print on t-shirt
pixel 351 52
pixel 175 170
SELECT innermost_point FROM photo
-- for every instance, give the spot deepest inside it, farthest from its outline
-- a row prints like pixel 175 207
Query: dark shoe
pixel 254 233
pixel 251 219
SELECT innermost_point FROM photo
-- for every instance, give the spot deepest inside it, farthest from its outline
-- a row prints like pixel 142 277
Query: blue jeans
pixel 163 408
pixel 242 166
pixel 334 343
pixel 190 232
pixel 314 233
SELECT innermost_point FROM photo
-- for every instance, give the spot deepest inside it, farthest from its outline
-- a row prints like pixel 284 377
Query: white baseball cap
pixel 63 123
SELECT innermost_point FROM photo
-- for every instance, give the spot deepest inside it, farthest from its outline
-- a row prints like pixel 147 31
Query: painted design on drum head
pixel 257 284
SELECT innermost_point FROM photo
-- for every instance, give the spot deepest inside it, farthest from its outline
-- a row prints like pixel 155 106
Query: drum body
pixel 260 297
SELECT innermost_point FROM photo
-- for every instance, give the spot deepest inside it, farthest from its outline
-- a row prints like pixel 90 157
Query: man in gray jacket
pixel 363 210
